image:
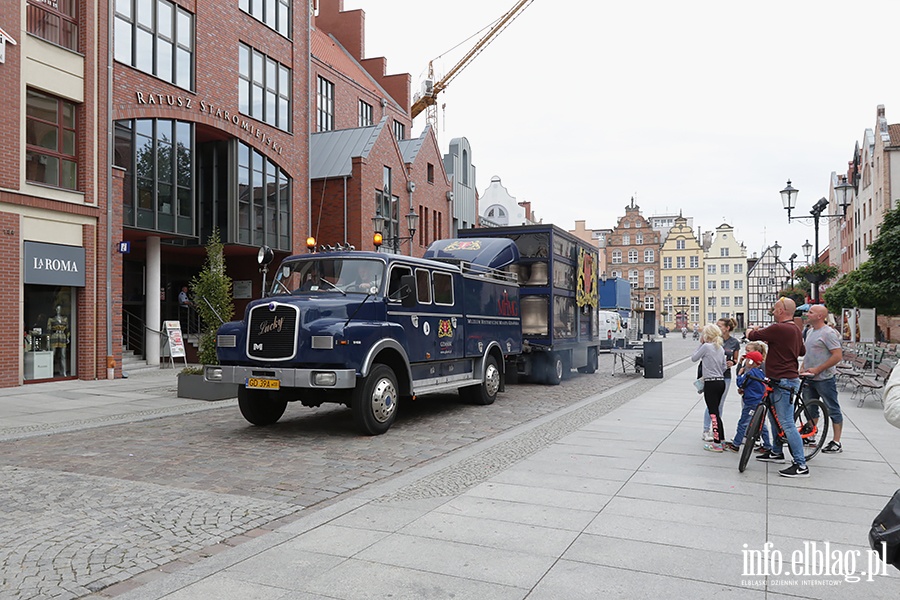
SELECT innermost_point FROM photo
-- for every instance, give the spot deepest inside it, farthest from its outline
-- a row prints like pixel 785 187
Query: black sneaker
pixel 833 447
pixel 794 470
pixel 769 456
pixel 811 441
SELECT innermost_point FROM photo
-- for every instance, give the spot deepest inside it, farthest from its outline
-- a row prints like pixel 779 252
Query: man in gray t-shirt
pixel 823 352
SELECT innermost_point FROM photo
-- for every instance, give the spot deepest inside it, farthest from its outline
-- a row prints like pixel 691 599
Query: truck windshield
pixel 312 275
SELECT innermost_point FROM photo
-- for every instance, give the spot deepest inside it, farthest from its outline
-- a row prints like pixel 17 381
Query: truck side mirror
pixel 407 291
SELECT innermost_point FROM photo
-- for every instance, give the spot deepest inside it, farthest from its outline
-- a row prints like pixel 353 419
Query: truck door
pixel 419 334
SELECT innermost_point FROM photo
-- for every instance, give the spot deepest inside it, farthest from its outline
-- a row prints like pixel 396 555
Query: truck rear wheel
pixel 486 392
pixel 258 407
pixel 554 369
pixel 375 401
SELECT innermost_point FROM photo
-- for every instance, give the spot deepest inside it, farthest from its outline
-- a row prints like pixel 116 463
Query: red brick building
pixel 633 253
pixel 202 121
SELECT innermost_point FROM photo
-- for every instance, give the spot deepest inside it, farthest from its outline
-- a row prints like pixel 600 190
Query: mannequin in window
pixel 58 326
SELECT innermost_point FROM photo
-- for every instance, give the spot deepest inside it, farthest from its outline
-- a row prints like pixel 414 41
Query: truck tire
pixel 592 362
pixel 554 369
pixel 375 401
pixel 258 408
pixel 486 392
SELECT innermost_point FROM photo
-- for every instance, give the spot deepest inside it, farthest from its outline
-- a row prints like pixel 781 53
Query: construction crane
pixel 427 99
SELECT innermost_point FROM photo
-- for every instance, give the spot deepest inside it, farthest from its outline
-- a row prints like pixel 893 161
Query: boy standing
pixel 750 381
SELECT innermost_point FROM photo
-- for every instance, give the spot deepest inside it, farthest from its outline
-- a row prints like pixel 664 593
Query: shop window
pixel 50 141
pixel 49 332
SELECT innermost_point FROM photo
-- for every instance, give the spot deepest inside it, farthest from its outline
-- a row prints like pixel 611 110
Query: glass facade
pixel 264 198
pixel 264 88
pixel 158 156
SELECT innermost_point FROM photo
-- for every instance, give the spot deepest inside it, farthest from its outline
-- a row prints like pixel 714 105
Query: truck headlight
pixel 325 378
pixel 213 374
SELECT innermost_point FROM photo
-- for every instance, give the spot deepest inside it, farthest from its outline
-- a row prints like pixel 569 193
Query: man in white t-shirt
pixel 823 352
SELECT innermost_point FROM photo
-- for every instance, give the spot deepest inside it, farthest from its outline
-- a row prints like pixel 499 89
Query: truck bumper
pixel 327 379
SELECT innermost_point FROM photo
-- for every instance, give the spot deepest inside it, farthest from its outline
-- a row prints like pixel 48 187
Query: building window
pixel 739 301
pixel 399 130
pixel 274 13
pixel 365 114
pixel 724 270
pixel 711 301
pixel 633 278
pixel 264 193
pixel 465 168
pixel 679 244
pixel 649 278
pixel 667 262
pixel 679 262
pixel 680 283
pixel 54 21
pixel 159 191
pixel 325 106
pixel 50 141
pixel 711 269
pixel 726 301
pixel 649 255
pixel 667 282
pixel 617 257
pixel 695 262
pixel 650 303
pixel 738 284
pixel 264 88
pixel 430 173
pixel 639 238
pixel 626 240
pixel 711 284
pixel 738 269
pixel 726 284
pixel 695 282
pixel 156 37
pixel 632 256
pixel 723 252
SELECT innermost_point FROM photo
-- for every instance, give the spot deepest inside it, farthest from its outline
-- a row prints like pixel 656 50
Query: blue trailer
pixel 557 274
pixel 369 330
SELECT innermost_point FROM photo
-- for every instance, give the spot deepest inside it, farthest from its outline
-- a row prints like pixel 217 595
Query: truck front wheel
pixel 375 401
pixel 258 408
pixel 486 392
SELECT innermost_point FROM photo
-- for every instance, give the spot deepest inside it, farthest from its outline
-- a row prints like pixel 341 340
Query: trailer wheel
pixel 486 392
pixel 555 369
pixel 259 408
pixel 375 401
pixel 592 362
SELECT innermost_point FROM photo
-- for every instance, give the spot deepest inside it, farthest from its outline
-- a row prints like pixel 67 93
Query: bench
pixel 858 367
pixel 871 386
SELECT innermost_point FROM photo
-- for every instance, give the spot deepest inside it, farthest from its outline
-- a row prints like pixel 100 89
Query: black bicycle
pixel 812 429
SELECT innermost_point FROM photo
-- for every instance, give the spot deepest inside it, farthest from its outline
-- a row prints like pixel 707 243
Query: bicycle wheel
pixel 808 429
pixel 753 432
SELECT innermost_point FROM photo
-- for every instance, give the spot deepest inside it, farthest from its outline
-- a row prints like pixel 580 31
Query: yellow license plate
pixel 259 383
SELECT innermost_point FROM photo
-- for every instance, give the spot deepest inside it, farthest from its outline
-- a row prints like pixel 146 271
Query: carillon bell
pixel 538 274
pixel 534 315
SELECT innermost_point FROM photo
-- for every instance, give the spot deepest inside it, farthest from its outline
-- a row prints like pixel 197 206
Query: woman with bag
pixel 712 362
pixel 732 348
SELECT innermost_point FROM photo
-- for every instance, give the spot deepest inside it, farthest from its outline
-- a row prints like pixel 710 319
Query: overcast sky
pixel 702 106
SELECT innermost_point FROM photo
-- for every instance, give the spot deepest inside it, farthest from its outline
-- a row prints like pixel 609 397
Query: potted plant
pixel 211 291
pixel 817 272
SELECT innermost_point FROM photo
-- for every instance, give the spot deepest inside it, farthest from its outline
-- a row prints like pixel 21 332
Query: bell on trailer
pixel 534 315
pixel 519 271
pixel 538 274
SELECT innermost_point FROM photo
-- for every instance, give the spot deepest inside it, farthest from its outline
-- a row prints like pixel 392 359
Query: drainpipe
pixel 345 213
pixel 110 360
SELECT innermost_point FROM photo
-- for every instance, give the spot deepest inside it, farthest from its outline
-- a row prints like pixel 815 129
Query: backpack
pixel 884 536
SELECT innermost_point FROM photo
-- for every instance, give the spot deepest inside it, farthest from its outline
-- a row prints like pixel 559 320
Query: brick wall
pixel 11 330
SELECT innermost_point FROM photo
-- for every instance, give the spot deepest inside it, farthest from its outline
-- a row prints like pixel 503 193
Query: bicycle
pixel 807 426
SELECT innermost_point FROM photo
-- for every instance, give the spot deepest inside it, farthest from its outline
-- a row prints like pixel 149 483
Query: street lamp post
pixel 793 256
pixel 412 223
pixel 789 200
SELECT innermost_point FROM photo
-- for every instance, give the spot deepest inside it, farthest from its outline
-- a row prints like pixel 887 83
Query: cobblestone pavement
pixel 88 509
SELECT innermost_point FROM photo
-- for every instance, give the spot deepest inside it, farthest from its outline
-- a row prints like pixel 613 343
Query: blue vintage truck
pixel 369 329
pixel 557 274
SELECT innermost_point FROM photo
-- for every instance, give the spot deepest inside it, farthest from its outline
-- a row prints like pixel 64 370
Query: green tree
pixel 211 290
pixel 875 284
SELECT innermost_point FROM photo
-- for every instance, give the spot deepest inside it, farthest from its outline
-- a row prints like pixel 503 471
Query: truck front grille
pixel 272 334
